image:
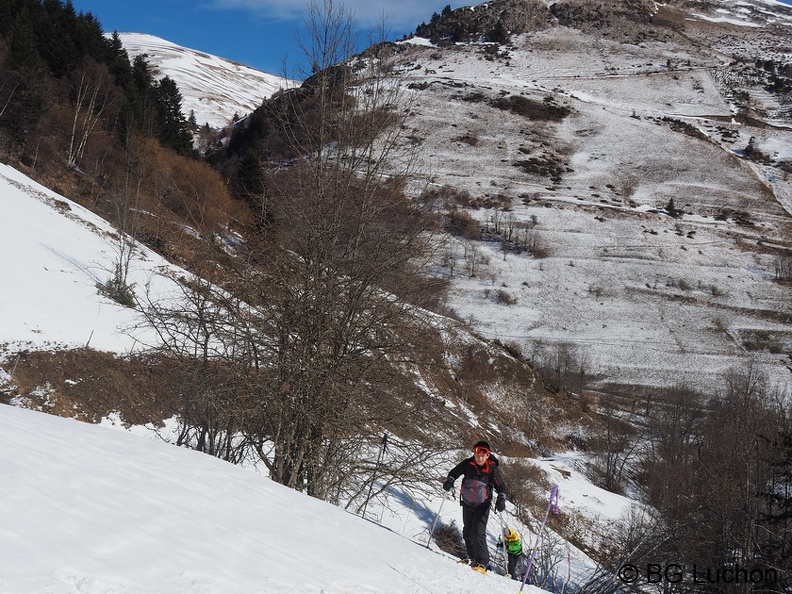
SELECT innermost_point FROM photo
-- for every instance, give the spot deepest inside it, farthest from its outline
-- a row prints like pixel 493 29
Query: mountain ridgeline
pixel 495 21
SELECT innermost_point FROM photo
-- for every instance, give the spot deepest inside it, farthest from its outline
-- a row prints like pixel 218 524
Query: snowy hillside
pixel 635 293
pixel 626 290
pixel 213 88
pixel 89 509
pixel 55 254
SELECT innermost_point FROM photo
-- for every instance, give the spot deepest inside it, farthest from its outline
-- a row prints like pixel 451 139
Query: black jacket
pixel 478 481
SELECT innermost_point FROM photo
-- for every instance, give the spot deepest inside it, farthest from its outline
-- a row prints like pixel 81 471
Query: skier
pixel 514 550
pixel 481 474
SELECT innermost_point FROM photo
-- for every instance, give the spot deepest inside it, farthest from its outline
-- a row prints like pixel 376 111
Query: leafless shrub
pixel 445 197
pixel 564 366
pixel 460 224
pixel 532 240
pixel 625 186
pixel 616 448
pixel 635 539
pixel 513 348
pixel 549 564
pixel 470 137
pixel 596 290
pixel 783 267
pixel 448 538
pixel 710 288
pixel 505 297
pixel 526 481
pixel 681 284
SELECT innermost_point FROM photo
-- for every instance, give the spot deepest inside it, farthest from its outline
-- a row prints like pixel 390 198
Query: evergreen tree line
pixel 44 44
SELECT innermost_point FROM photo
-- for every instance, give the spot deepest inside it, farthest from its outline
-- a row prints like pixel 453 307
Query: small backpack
pixel 513 542
pixel 477 489
pixel 475 492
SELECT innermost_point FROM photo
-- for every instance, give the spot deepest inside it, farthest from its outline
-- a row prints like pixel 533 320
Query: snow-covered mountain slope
pixel 89 509
pixel 636 293
pixel 213 88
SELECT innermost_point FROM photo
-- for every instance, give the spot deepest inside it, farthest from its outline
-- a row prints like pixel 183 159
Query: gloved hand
pixel 449 482
pixel 500 503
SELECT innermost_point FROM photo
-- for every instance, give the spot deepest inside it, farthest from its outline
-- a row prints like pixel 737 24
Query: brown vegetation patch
pixel 504 392
pixel 523 478
pixel 543 166
pixel 89 385
pixel 545 110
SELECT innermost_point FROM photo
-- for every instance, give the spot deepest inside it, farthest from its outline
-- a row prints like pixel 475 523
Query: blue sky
pixel 258 33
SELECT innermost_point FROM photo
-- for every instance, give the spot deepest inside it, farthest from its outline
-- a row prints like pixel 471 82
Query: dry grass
pixel 88 385
pixel 485 379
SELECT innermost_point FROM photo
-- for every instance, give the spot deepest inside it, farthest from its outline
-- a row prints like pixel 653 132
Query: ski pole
pixel 374 474
pixel 504 551
pixel 552 505
pixel 434 522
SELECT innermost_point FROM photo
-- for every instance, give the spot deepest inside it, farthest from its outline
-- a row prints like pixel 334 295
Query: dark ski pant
pixel 512 565
pixel 474 531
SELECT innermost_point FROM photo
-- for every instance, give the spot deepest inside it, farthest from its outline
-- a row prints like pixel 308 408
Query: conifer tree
pixel 22 41
pixel 57 37
pixel 171 126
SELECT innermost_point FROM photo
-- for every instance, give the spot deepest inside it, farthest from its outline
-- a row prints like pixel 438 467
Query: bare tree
pixel 310 331
pixel 472 254
pixel 709 472
pixel 125 197
pixel 567 366
pixel 671 455
pixel 783 265
pixel 742 422
pixel 511 226
pixel 92 91
pixel 10 93
pixel 617 446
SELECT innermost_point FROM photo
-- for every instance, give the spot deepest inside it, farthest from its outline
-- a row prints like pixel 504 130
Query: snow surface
pixel 88 509
pixel 54 254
